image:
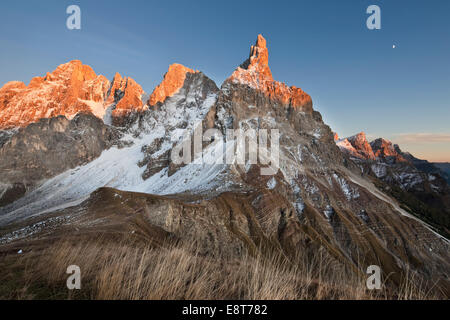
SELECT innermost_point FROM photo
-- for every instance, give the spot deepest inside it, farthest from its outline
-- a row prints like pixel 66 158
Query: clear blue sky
pixel 357 80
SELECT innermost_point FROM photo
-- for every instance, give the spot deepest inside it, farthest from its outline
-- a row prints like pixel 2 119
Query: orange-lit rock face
pixel 358 146
pixel 336 137
pixel 118 83
pixel 255 72
pixel 70 89
pixel 131 100
pixel 362 146
pixel 385 149
pixel 8 92
pixel 126 93
pixel 172 82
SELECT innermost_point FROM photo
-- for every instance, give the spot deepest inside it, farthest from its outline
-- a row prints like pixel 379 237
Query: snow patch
pixel 272 183
pixel 349 192
pixel 118 167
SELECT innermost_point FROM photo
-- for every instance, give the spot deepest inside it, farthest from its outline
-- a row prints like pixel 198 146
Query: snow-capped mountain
pixel 317 196
pixel 70 89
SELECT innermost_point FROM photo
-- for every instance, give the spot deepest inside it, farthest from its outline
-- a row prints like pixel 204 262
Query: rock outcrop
pixel 173 81
pixel 385 150
pixel 183 97
pixel 126 96
pixel 389 163
pixel 49 147
pixel 361 145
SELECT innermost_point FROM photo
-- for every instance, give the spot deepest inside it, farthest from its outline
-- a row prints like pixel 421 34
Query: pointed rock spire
pixel 117 86
pixel 360 143
pixel 130 98
pixel 255 73
pixel 384 149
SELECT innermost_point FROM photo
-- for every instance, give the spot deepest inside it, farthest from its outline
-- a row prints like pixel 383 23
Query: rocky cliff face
pixel 49 147
pixel 70 89
pixel 173 81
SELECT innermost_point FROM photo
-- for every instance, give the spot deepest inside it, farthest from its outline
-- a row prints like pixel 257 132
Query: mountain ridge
pixel 71 88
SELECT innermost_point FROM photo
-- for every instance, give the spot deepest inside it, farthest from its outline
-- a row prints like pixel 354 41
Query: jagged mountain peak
pixel 70 89
pixel 358 146
pixel 13 85
pixel 362 146
pixel 382 141
pixel 258 59
pixel 255 73
pixel 74 69
pixel 117 77
pixel 172 82
pixel 383 148
pixel 361 136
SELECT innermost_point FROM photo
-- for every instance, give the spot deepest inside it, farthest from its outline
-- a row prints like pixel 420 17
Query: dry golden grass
pixel 128 269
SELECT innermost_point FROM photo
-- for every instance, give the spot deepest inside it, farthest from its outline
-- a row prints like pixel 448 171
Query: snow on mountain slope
pixel 202 179
pixel 119 167
pixel 256 74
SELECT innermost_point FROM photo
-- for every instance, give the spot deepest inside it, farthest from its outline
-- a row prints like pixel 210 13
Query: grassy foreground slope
pixel 124 255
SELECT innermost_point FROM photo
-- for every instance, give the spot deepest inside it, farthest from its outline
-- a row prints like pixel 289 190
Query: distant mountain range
pixel 420 185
